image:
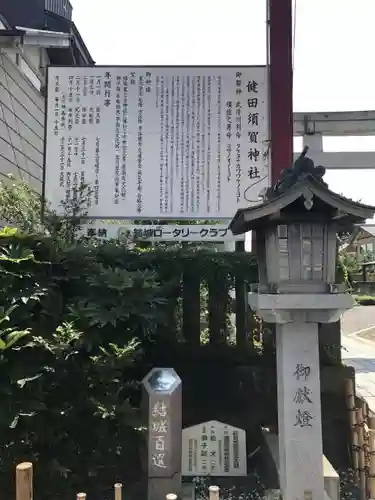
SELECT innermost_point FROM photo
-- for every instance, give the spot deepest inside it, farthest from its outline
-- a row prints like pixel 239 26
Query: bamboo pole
pixel 365 410
pixel 371 478
pixel 24 481
pixel 355 452
pixel 361 444
pixel 118 491
pixel 214 493
pixel 366 444
pixel 350 397
pixel 364 407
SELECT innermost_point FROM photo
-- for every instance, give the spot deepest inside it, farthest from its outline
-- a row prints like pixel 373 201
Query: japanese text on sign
pixel 163 391
pixel 159 432
pixel 207 128
pixel 202 233
pixel 213 448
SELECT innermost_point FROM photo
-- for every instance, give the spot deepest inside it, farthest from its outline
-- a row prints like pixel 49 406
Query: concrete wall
pixel 21 116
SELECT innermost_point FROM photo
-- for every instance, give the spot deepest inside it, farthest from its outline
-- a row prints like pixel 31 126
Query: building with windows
pixel 33 34
pixel 362 243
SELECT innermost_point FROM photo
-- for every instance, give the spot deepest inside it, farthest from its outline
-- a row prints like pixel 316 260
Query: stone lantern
pixel 296 239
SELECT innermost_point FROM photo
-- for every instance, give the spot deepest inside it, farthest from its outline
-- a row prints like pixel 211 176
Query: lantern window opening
pixel 282 232
pixel 306 243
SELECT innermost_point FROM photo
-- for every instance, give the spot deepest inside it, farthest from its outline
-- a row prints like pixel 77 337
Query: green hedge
pixel 86 322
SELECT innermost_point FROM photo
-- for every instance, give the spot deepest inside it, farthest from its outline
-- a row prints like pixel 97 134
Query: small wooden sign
pixel 213 449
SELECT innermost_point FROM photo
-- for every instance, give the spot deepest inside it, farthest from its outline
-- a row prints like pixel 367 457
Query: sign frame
pixel 142 216
pixel 199 233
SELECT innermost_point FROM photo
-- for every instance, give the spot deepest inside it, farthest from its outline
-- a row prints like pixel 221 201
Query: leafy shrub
pixel 70 362
pixel 82 324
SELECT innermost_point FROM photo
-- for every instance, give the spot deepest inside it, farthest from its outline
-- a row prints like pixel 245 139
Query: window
pixel 282 233
pixel 307 242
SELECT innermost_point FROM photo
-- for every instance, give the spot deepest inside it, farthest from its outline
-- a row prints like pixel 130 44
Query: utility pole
pixel 281 84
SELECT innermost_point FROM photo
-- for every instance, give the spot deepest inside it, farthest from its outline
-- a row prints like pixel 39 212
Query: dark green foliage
pixel 80 325
pixel 69 391
pixel 79 328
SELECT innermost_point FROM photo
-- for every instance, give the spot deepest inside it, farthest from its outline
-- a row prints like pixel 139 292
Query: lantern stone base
pixel 298 384
pixel 296 233
pixel 308 308
pixel 299 411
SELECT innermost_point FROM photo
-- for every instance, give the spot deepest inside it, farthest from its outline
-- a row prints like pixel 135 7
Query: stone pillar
pixel 299 410
pixel 163 409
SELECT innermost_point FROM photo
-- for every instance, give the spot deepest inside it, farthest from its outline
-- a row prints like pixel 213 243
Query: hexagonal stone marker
pixel 163 408
pixel 161 380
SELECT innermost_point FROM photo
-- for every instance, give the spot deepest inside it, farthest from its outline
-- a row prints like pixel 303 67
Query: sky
pixel 333 53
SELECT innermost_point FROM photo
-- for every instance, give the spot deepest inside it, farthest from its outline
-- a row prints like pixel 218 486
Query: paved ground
pixel 358 320
pixel 359 351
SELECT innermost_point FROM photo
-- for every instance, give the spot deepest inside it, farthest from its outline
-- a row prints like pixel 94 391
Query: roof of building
pixel 369 228
pixel 77 34
pixel 4 22
pixel 77 54
pixel 301 189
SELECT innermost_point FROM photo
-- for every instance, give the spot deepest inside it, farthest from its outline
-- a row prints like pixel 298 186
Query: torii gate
pixel 313 126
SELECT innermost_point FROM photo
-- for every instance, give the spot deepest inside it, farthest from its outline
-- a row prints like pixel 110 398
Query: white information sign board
pixel 157 142
pixel 179 233
pixel 213 449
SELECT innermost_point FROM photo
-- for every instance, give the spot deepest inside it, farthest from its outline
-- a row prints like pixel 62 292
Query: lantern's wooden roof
pixel 332 206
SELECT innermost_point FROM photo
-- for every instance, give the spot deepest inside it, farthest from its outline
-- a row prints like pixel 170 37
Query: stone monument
pixel 213 449
pixel 163 400
pixel 296 235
